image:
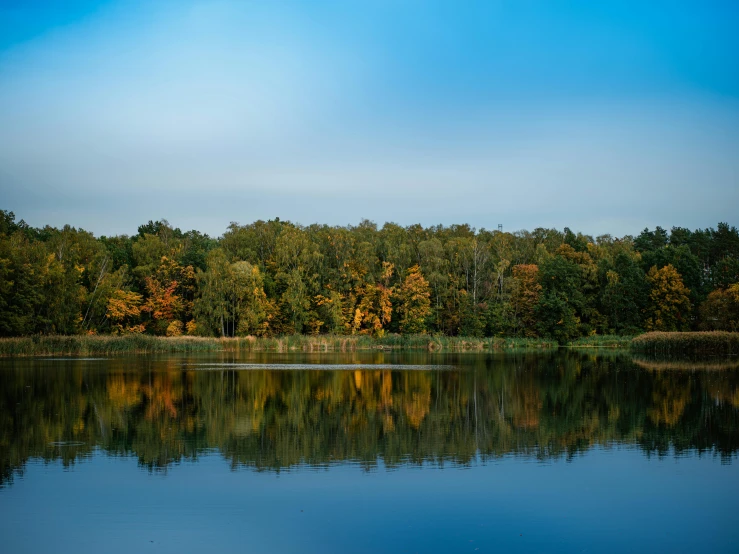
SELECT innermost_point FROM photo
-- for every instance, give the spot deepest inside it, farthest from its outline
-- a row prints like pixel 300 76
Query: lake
pixel 560 451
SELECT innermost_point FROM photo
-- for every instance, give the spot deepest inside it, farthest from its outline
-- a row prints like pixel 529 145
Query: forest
pixel 273 278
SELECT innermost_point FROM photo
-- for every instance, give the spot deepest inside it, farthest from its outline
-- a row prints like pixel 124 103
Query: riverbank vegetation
pixel 106 345
pixel 711 343
pixel 655 344
pixel 272 279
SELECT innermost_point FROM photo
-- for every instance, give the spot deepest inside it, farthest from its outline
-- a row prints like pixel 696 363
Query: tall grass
pixel 89 345
pixel 333 343
pixel 687 344
pixel 84 345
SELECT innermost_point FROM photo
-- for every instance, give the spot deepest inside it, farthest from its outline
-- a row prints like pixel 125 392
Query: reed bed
pixel 707 343
pixel 86 345
pixel 106 345
pixel 434 343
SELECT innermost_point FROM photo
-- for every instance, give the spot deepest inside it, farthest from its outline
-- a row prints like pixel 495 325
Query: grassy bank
pixel 102 345
pixel 709 343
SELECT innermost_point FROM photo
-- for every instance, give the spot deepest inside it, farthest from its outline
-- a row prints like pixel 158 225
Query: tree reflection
pixel 539 406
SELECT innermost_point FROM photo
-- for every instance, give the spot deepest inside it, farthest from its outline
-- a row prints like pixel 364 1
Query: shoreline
pixel 86 345
pixel 656 344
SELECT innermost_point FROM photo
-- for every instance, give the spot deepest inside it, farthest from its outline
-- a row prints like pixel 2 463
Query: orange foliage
pixel 163 302
pixel 124 307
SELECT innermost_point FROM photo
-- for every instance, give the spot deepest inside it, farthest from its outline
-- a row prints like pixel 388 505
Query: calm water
pixel 369 452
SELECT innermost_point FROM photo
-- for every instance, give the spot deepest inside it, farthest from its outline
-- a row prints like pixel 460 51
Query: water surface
pixel 367 452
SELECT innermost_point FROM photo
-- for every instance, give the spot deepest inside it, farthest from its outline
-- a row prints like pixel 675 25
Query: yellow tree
pixel 669 304
pixel 124 310
pixel 374 310
pixel 525 292
pixel 414 302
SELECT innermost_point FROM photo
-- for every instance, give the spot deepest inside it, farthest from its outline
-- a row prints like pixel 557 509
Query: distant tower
pixel 500 227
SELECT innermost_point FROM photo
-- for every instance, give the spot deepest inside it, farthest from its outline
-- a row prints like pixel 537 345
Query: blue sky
pixel 600 116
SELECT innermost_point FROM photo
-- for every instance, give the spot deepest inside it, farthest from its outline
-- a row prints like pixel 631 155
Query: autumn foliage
pixel 525 292
pixel 273 278
pixel 669 304
pixel 414 303
pixel 124 310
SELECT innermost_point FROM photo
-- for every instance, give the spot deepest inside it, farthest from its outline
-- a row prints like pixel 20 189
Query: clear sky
pixel 600 116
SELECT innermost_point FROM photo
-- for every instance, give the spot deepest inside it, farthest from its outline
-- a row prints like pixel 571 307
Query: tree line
pixel 274 277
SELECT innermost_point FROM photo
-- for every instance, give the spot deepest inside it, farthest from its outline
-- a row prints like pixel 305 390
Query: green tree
pixel 252 308
pixel 625 293
pixel 560 301
pixel 212 305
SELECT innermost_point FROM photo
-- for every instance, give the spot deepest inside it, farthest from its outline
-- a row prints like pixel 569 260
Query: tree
pixel 587 288
pixel 252 308
pixel 124 311
pixel 624 293
pixel 169 294
pixel 212 303
pixel 162 303
pixel 525 293
pixel 414 305
pixel 296 259
pixel 685 263
pixel 147 253
pixel 561 299
pixel 720 311
pixel 330 311
pixel 435 267
pixel 295 301
pixel 725 272
pixel 231 298
pixel 669 304
pixel 649 240
pixel 374 310
pixel 24 268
